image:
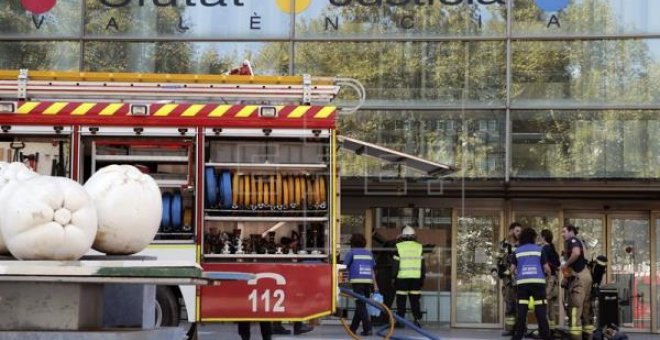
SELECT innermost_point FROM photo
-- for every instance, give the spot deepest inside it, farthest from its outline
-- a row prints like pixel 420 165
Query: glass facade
pixel 585 144
pixel 510 92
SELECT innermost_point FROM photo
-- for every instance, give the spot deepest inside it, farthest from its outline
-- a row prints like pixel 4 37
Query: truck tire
pixel 167 307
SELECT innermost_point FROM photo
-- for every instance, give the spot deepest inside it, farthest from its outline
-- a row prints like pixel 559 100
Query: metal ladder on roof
pixel 24 85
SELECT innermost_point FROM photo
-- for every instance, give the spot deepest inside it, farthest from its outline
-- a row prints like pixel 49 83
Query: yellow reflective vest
pixel 410 260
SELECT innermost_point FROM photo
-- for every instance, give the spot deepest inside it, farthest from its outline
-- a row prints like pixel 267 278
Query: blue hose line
pixel 165 222
pixel 225 189
pixel 396 317
pixel 211 187
pixel 221 197
pixel 177 211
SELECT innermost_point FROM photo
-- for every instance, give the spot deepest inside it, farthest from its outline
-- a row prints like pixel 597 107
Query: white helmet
pixel 408 231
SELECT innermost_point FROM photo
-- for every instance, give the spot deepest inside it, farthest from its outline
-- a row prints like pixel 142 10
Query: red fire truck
pixel 247 166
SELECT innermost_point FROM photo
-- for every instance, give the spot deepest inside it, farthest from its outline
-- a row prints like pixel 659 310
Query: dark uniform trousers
pixel 537 292
pixel 411 289
pixel 361 314
pixel 266 330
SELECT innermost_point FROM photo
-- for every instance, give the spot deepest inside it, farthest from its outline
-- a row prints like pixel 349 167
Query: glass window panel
pixel 51 55
pixel 587 17
pixel 63 19
pixel 585 144
pixel 631 265
pixel 540 221
pixel 477 291
pixel 586 72
pixel 413 74
pixel 402 18
pixel 472 141
pixel 185 57
pixel 590 231
pixel 351 223
pixel 206 19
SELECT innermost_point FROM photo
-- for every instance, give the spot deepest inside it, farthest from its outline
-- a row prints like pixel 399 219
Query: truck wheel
pixel 167 307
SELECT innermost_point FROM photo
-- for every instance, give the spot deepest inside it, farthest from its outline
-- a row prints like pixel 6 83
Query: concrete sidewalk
pixel 327 332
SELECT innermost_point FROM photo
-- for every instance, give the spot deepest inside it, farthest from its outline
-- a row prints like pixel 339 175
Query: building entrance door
pixel 625 239
pixel 476 291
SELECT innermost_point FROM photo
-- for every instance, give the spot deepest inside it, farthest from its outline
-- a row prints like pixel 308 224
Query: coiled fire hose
pixel 392 318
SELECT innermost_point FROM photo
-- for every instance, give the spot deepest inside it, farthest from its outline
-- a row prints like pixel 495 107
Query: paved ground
pixel 326 332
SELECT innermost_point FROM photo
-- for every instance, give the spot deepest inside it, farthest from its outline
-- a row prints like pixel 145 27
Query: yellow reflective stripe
pixel 165 110
pixel 523 302
pixel 402 270
pixel 27 107
pixel 396 257
pixel 528 253
pixel 246 111
pixel 298 112
pixel 415 292
pixel 193 110
pixel 219 111
pixel 412 257
pixel 325 112
pixel 540 302
pixel 573 324
pixel 361 281
pixel 82 109
pixel 401 292
pixel 110 109
pixel 362 257
pixel 55 108
pixel 601 263
pixel 523 281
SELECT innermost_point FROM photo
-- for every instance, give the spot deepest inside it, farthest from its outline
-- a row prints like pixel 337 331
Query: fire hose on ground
pixel 387 331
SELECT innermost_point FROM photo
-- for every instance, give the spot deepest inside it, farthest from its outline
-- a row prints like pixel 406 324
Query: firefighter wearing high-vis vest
pixel 530 266
pixel 409 274
pixel 504 254
pixel 578 281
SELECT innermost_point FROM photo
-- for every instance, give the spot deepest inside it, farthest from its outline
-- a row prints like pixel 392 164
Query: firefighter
pixel 409 273
pixel 384 257
pixel 506 249
pixel 529 266
pixel 578 283
pixel 551 281
pixel 360 263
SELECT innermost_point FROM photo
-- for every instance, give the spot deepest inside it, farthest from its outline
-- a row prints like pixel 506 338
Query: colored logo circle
pixel 38 6
pixel 285 5
pixel 552 5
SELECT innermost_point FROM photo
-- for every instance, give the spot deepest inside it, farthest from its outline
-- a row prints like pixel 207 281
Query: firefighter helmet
pixel 408 231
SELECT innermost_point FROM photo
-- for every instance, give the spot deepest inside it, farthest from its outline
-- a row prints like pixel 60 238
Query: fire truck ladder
pixel 171 88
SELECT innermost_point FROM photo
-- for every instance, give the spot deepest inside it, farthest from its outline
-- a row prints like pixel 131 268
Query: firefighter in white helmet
pixel 409 273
